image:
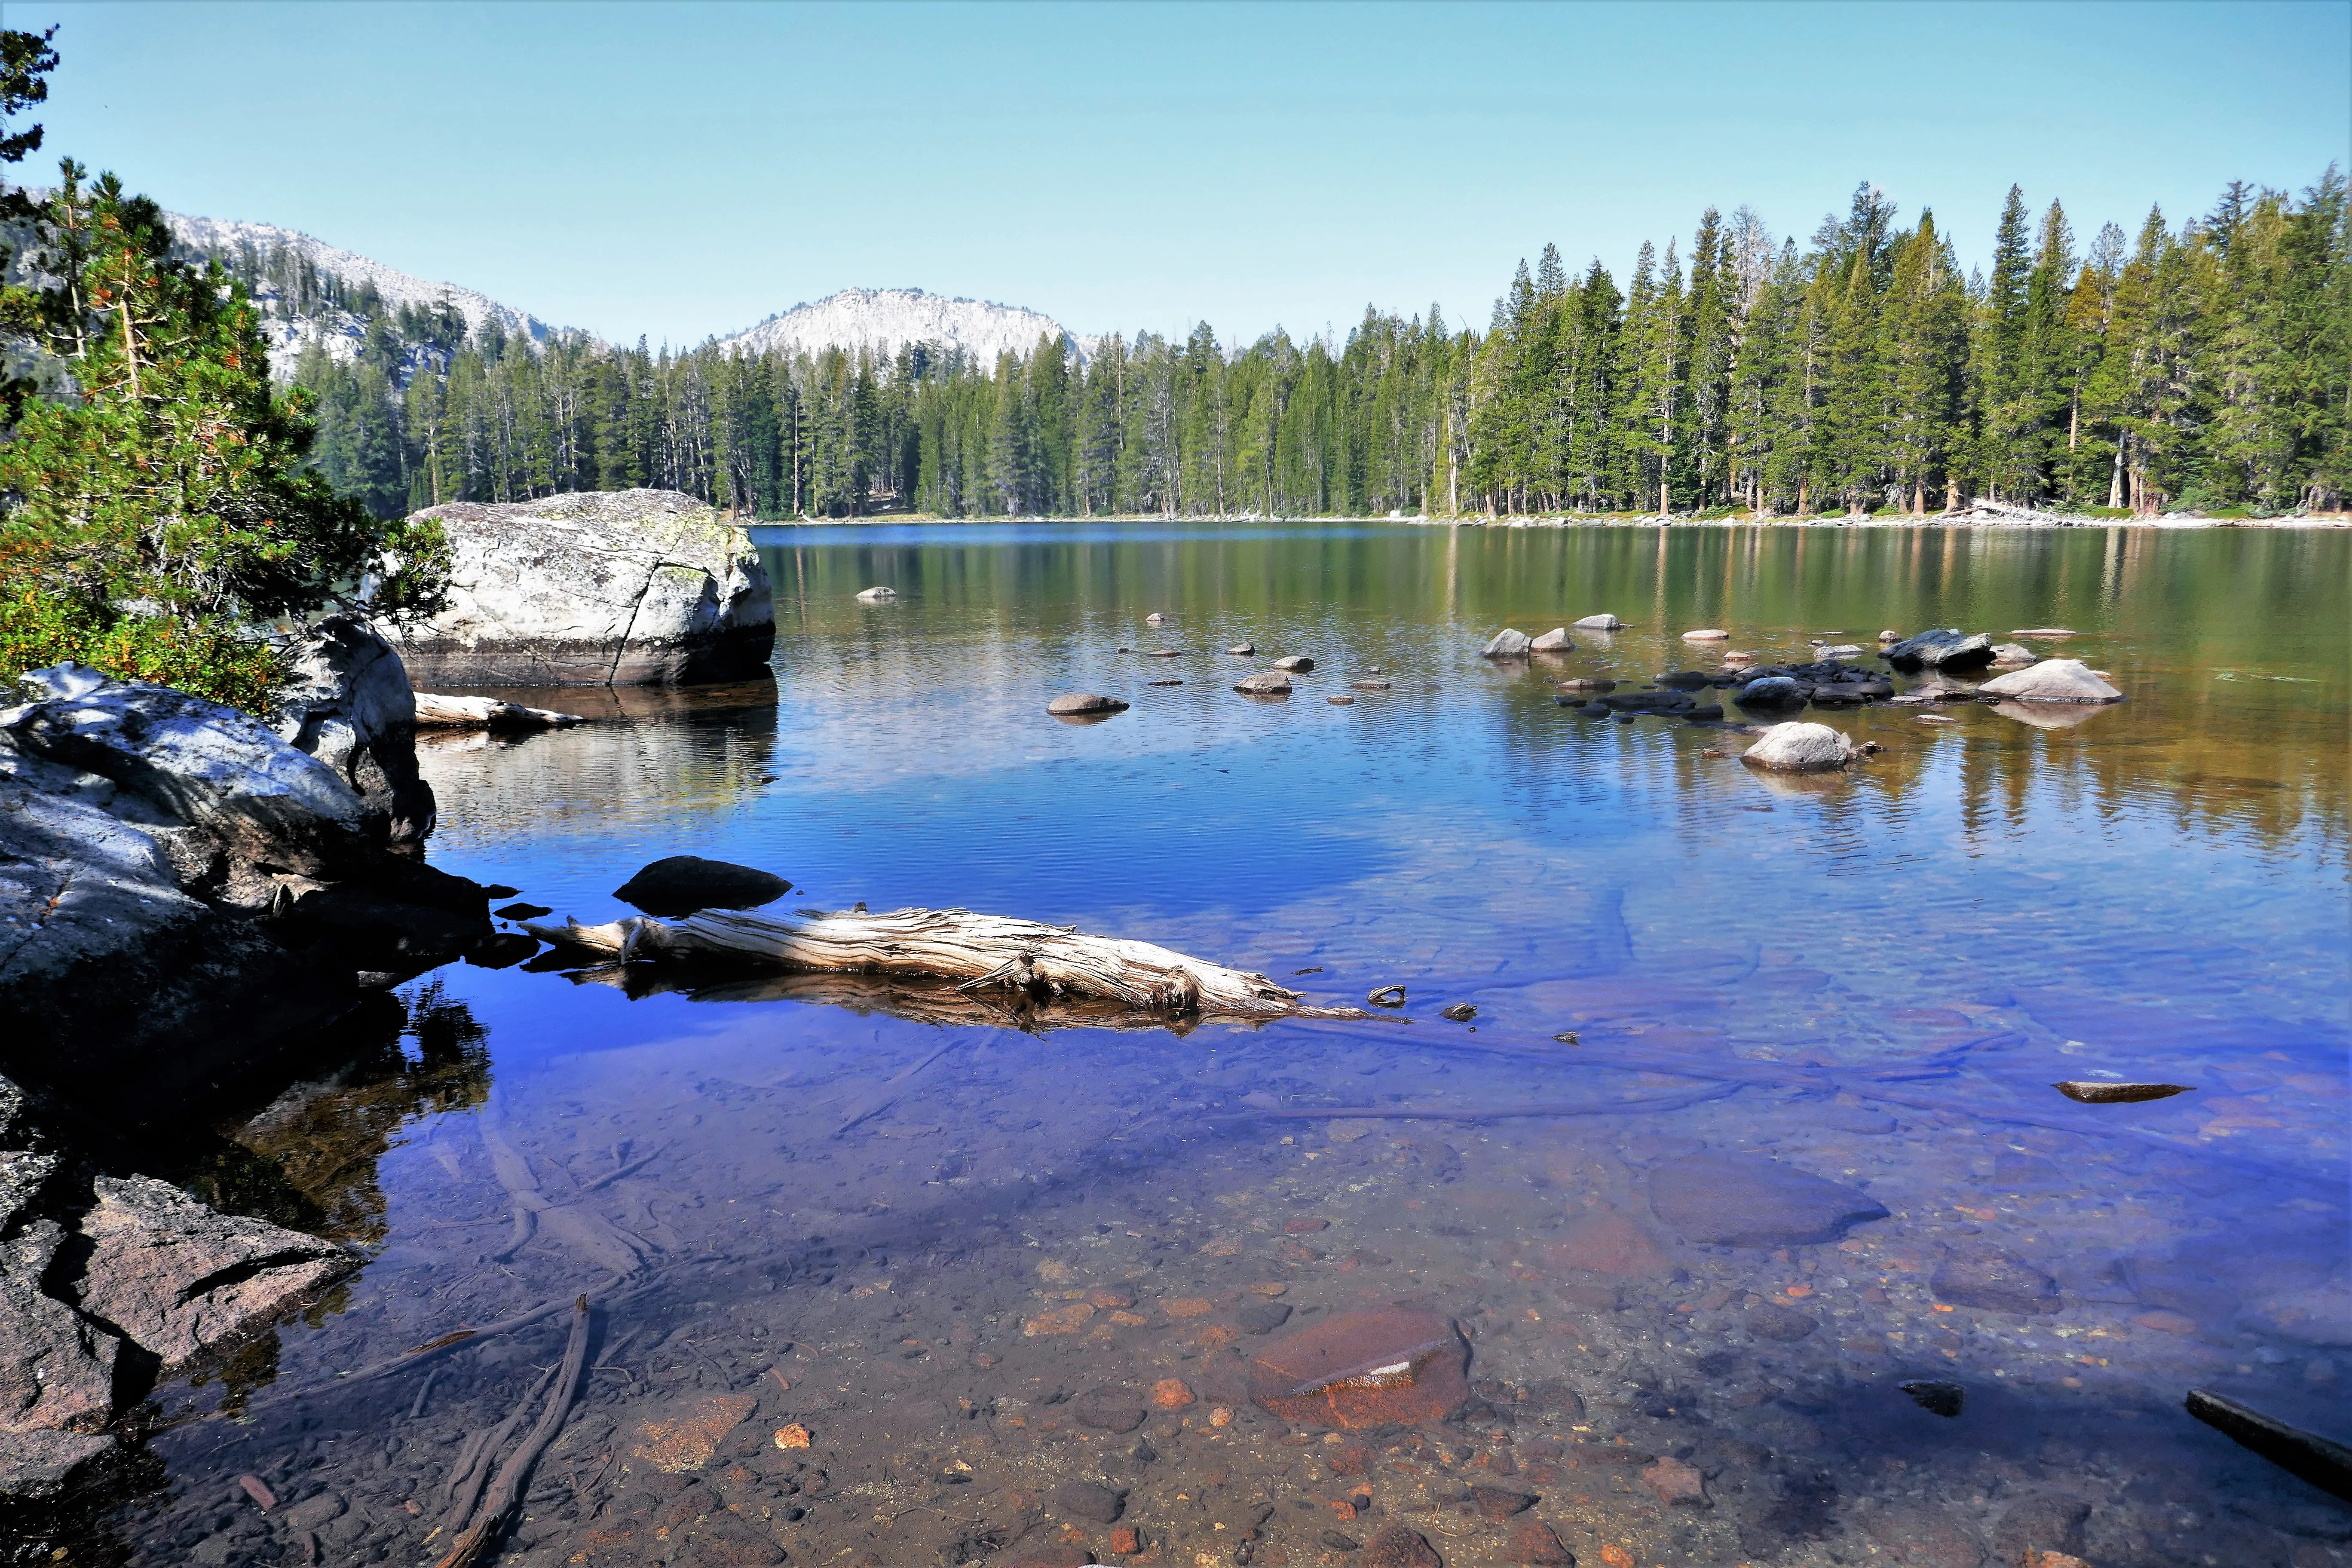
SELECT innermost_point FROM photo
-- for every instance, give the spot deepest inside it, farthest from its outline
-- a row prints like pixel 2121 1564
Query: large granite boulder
pixel 351 706
pixel 1799 749
pixel 600 588
pixel 182 890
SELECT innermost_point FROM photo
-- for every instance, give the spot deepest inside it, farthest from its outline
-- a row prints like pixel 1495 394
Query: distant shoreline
pixel 1978 518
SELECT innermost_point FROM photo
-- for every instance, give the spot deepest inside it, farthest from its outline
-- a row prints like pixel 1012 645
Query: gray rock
pixel 599 588
pixel 1109 1410
pixel 1078 703
pixel 1771 692
pixel 681 884
pixel 1374 685
pixel 56 1367
pixel 23 1175
pixel 1552 641
pixel 873 595
pixel 2011 656
pixel 1947 648
pixel 1979 1274
pixel 1263 1317
pixel 1601 623
pixel 1770 1321
pixel 1732 1200
pixel 1297 664
pixel 1243 650
pixel 1507 644
pixel 109 974
pixel 2050 1523
pixel 1265 683
pixel 351 707
pixel 311 1511
pixel 1155 618
pixel 1799 749
pixel 179 1278
pixel 37 1467
pixel 2052 681
pixel 196 764
pixel 1587 683
pixel 1085 1499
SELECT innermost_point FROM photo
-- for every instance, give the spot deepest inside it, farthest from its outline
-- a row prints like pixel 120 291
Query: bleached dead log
pixel 980 952
pixel 435 710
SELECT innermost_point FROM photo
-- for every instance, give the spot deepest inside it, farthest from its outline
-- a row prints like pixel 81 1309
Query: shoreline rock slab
pixel 178 1279
pixel 350 706
pixel 602 588
pixel 2052 681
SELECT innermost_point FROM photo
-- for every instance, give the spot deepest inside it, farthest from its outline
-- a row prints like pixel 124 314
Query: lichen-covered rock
pixel 1799 749
pixel 2052 681
pixel 179 1278
pixel 602 588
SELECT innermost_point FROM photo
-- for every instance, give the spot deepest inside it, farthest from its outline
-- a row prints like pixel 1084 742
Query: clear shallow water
pixel 1872 979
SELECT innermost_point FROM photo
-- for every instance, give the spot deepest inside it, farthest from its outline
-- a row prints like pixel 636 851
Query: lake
pixel 1751 1127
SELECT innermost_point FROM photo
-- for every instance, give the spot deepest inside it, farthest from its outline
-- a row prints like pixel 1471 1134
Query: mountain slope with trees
pixel 2203 365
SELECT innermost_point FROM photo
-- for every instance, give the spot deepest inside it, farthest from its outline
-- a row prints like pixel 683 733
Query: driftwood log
pixel 976 953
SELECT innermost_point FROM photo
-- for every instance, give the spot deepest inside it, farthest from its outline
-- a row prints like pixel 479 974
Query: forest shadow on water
pixel 1752 1125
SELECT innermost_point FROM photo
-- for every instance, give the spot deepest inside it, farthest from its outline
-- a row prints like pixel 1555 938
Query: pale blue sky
pixel 681 170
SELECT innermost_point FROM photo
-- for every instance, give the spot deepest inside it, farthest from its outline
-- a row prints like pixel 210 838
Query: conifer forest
pixel 2203 365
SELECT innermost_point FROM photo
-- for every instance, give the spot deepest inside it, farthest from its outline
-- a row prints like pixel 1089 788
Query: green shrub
pixel 224 663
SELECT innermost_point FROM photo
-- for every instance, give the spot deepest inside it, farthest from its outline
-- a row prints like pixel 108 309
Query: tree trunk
pixel 981 952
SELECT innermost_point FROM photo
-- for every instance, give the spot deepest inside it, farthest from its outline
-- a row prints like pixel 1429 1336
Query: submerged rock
pixel 1600 623
pixel 681 884
pixel 1079 703
pixel 1374 685
pixel 1935 1397
pixel 1507 644
pixel 1799 749
pixel 2052 681
pixel 1365 1368
pixel 1772 691
pixel 1769 1320
pixel 1979 1274
pixel 1400 1546
pixel 1264 683
pixel 596 588
pixel 1087 1500
pixel 1732 1200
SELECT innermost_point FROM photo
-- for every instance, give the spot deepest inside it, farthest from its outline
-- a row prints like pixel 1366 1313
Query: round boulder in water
pixel 2052 681
pixel 1078 704
pixel 1772 691
pixel 681 884
pixel 1264 683
pixel 1799 749
pixel 1601 623
pixel 1297 664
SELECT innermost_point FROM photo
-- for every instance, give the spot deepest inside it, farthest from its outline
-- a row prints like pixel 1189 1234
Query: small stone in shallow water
pixel 1085 1499
pixel 1676 1482
pixel 1936 1397
pixel 1341 701
pixel 1374 685
pixel 1261 1319
pixel 1508 644
pixel 1769 1320
pixel 1155 619
pixel 1534 1545
pixel 1364 1369
pixel 1387 996
pixel 1502 1502
pixel 522 911
pixel 1243 650
pixel 499 890
pixel 1460 1013
pixel 1400 1546
pixel 1265 683
pixel 1163 683
pixel 1109 1410
pixel 1172 1394
pixel 1977 1274
pixel 1297 664
pixel 2091 1093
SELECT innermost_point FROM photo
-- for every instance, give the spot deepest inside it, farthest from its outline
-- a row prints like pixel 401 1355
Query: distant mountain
pixel 883 319
pixel 290 323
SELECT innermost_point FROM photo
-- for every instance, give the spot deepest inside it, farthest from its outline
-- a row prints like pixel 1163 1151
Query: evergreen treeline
pixel 2205 367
